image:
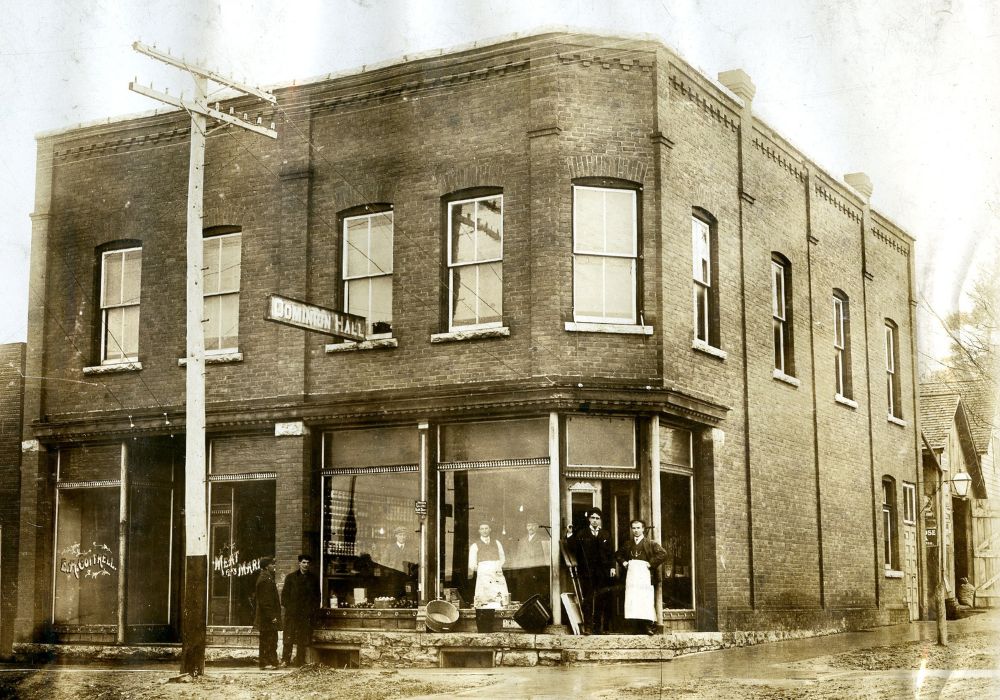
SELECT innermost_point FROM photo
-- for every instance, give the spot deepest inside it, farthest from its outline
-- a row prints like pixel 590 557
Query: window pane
pixel 700 246
pixel 229 305
pixel 490 220
pixel 381 243
pixel 130 330
pixel 241 533
pixel 600 441
pixel 229 274
pixel 779 345
pixel 506 501
pixel 463 295
pixel 620 222
pixel 132 277
pixel 358 297
pixel 211 262
pixel 381 309
pixel 778 291
pixel 677 570
pixel 113 334
pixel 588 220
pixel 86 585
pixel 463 232
pixel 370 538
pixel 701 312
pixel 588 286
pixel 356 247
pixel 149 552
pixel 619 286
pixel 371 447
pixel 112 293
pixel 490 293
pixel 494 440
pixel 675 447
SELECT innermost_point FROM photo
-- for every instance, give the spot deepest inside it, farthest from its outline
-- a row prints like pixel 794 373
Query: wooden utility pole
pixel 195 590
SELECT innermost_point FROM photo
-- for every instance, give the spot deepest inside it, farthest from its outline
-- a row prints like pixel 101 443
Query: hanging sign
pixel 315 318
pixel 97 561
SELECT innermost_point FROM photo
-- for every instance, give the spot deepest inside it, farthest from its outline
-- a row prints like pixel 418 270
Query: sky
pixel 907 91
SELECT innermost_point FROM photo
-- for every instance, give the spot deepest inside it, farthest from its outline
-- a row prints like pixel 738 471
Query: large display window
pixel 371 532
pixel 676 513
pixel 86 562
pixel 241 532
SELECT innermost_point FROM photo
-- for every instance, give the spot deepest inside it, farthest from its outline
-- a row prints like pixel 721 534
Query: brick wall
pixel 11 398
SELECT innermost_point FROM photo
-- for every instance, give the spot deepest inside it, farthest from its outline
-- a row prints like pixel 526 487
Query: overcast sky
pixel 907 91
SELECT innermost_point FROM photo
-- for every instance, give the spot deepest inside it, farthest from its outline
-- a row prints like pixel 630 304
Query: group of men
pixel 300 599
pixel 597 567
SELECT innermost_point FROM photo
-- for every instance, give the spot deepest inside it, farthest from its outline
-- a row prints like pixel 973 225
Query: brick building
pixel 11 401
pixel 591 277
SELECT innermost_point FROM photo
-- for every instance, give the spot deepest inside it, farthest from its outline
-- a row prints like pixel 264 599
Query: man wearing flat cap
pixel 267 616
pixel 595 558
pixel 400 557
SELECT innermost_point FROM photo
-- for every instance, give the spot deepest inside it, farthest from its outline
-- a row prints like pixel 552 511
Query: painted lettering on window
pixel 97 561
pixel 229 565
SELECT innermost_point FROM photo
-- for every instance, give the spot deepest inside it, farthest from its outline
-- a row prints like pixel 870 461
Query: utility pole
pixel 195 589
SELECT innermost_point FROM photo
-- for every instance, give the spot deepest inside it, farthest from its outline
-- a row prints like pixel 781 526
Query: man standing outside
pixel 640 556
pixel 267 616
pixel 300 598
pixel 595 558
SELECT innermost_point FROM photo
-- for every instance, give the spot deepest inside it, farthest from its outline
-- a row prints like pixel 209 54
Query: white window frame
pixel 840 345
pixel 106 307
pixel 888 525
pixel 909 503
pixel 579 252
pixel 779 310
pixel 701 271
pixel 370 274
pixel 210 295
pixel 477 263
pixel 891 378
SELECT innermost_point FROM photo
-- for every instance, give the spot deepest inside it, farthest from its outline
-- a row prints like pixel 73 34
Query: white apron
pixel 639 603
pixel 491 586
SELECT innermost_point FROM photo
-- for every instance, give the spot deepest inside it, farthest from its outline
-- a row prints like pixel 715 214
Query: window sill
pixel 892 573
pixel 114 367
pixel 220 358
pixel 844 401
pixel 621 328
pixel 471 334
pixel 702 346
pixel 374 343
pixel 787 379
pixel 896 421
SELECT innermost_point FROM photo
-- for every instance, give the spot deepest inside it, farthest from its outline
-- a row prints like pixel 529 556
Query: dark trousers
pixel 598 605
pixel 267 647
pixel 299 636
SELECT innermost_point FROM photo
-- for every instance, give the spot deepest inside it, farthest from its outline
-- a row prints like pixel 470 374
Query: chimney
pixel 861 183
pixel 739 83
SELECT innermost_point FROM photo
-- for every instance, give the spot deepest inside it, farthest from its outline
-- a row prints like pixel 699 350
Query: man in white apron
pixel 486 560
pixel 640 556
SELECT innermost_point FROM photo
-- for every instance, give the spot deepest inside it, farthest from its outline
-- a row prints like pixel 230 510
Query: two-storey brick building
pixel 590 276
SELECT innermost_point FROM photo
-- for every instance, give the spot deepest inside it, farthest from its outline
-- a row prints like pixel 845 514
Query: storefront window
pixel 241 532
pixel 676 518
pixel 87 566
pixel 371 538
pixel 508 505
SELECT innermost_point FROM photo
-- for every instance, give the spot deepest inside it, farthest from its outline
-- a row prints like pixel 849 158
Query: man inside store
pixel 531 561
pixel 401 558
pixel 486 560
pixel 640 556
pixel 300 598
pixel 595 557
pixel 267 616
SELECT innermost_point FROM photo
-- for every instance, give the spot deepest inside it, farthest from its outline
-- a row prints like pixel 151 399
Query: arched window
pixel 704 270
pixel 892 386
pixel 890 536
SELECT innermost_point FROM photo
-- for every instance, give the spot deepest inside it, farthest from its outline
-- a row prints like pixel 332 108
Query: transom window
pixel 368 269
pixel 605 243
pixel 475 263
pixel 121 277
pixel 222 291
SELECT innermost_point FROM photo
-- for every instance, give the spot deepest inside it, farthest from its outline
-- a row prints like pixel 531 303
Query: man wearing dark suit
pixel 595 558
pixel 267 615
pixel 300 598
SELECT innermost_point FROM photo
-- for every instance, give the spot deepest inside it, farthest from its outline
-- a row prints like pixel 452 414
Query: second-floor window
pixel 121 277
pixel 222 264
pixel 605 245
pixel 891 370
pixel 781 314
pixel 368 269
pixel 475 263
pixel 706 326
pixel 842 344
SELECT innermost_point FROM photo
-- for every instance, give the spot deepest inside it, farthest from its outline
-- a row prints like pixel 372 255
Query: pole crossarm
pixel 204 72
pixel 204 110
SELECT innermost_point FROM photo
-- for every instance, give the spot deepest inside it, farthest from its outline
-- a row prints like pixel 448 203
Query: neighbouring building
pixel 957 419
pixel 11 401
pixel 590 277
